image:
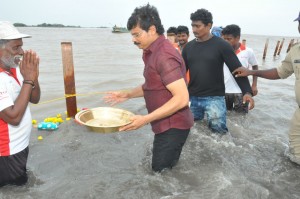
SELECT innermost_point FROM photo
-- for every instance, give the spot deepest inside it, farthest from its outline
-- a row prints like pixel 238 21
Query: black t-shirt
pixel 205 61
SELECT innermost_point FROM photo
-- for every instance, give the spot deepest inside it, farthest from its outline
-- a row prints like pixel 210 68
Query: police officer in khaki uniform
pixel 290 65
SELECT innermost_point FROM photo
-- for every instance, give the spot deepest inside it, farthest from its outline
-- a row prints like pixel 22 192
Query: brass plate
pixel 104 119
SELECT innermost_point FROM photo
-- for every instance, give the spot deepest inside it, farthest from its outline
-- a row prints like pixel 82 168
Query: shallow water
pixel 251 161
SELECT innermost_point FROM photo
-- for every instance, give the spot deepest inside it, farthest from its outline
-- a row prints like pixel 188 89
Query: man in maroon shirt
pixel 165 89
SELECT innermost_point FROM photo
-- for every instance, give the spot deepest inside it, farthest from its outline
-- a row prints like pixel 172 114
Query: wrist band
pixel 247 93
pixel 29 82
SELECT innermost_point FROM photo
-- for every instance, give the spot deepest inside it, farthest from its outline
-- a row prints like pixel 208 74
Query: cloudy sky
pixel 263 17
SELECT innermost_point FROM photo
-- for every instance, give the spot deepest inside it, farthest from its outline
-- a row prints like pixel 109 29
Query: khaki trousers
pixel 294 135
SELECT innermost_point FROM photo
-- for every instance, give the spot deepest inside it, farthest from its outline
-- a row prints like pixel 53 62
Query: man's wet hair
pixel 183 29
pixel 232 29
pixel 145 17
pixel 202 15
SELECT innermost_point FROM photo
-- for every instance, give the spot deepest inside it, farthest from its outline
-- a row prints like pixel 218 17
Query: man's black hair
pixel 202 15
pixel 172 29
pixel 183 29
pixel 145 16
pixel 232 29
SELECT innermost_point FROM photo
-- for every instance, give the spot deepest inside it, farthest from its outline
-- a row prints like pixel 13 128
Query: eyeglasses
pixel 137 35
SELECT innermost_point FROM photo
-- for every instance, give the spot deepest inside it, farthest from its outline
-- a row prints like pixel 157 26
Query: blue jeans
pixel 215 109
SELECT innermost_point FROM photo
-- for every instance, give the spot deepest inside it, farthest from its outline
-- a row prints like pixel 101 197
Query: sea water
pixel 251 161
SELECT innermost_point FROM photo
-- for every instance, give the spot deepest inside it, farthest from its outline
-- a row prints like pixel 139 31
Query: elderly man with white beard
pixel 18 86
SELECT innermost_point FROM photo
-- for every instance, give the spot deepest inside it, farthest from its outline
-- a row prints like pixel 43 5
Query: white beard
pixel 11 61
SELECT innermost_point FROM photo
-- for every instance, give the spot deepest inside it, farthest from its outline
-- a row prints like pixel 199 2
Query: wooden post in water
pixel 69 80
pixel 280 47
pixel 289 46
pixel 276 49
pixel 265 50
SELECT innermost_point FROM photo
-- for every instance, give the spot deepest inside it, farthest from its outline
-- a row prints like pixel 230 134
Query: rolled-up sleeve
pixel 286 68
pixel 170 71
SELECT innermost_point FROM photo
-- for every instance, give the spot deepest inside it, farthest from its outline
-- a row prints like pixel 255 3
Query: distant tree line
pixel 20 25
pixel 45 25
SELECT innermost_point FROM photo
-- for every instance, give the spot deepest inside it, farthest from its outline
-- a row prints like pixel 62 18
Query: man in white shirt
pixel 18 86
pixel 233 96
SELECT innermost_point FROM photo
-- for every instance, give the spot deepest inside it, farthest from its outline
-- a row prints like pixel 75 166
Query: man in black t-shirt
pixel 204 58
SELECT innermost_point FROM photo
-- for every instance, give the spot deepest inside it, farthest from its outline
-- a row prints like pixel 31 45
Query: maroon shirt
pixel 164 65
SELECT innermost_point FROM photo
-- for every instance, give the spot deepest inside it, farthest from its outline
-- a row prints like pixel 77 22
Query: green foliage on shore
pixel 45 25
pixel 19 25
pixel 56 25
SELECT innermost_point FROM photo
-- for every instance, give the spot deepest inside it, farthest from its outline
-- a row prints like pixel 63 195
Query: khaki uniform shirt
pixel 290 65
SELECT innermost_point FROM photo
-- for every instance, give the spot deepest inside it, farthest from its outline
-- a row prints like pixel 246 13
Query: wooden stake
pixel 265 50
pixel 280 47
pixel 277 45
pixel 69 80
